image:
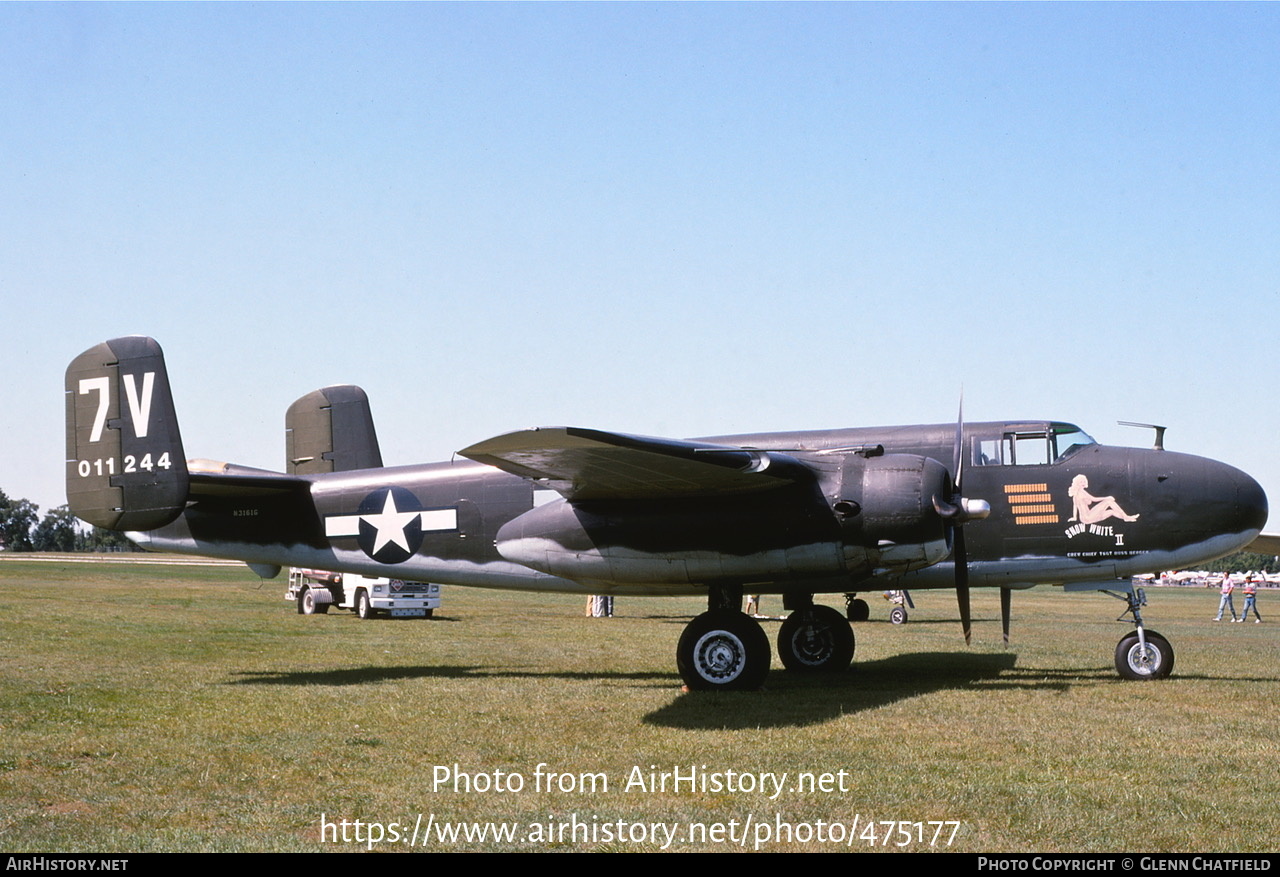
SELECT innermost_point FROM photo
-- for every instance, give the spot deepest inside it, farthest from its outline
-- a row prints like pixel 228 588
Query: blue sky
pixel 664 219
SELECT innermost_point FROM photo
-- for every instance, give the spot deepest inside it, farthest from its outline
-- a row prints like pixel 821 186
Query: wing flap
pixel 585 464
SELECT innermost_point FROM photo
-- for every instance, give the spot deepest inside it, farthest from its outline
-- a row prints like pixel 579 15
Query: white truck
pixel 314 591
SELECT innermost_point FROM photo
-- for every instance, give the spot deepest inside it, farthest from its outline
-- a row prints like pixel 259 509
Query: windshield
pixel 1068 439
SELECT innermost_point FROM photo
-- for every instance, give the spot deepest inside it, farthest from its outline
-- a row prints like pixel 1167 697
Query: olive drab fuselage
pixel 470 524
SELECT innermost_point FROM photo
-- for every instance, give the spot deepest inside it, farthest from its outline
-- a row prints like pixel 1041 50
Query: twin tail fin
pixel 125 466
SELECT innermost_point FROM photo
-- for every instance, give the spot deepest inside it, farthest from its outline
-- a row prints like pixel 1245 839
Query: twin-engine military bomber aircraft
pixel 991 505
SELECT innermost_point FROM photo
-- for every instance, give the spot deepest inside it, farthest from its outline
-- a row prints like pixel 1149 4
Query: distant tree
pixel 58 532
pixel 98 539
pixel 17 518
pixel 1244 561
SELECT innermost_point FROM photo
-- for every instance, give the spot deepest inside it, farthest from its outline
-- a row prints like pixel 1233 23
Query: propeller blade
pixel 1006 601
pixel 957 459
pixel 962 585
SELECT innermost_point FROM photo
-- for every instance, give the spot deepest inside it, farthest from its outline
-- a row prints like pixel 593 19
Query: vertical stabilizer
pixel 125 465
pixel 330 430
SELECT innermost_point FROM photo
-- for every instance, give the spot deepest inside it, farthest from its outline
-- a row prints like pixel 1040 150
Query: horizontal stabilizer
pixel 213 479
pixel 585 464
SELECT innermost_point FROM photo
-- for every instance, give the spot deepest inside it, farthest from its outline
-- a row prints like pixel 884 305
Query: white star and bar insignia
pixel 390 524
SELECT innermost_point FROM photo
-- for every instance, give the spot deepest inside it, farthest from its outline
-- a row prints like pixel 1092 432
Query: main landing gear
pixel 725 650
pixel 1143 654
pixel 815 639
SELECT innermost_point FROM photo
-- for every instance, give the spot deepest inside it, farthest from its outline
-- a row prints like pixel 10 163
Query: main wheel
pixel 1153 662
pixel 723 651
pixel 815 639
pixel 898 615
pixel 363 609
pixel 858 610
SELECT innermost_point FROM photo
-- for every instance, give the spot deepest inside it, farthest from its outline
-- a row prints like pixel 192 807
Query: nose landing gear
pixel 1143 654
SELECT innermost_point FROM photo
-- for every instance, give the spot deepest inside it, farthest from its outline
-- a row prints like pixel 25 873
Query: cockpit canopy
pixel 1030 444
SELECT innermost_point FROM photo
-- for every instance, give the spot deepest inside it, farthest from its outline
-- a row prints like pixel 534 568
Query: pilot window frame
pixel 1029 445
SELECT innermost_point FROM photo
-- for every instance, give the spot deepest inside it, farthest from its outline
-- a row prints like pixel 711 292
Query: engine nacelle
pixel 881 518
pixel 888 520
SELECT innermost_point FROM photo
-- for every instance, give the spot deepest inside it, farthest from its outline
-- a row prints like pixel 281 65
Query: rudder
pixel 125 466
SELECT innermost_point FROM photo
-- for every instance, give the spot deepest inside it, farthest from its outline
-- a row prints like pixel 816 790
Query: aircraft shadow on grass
pixel 374 674
pixel 792 700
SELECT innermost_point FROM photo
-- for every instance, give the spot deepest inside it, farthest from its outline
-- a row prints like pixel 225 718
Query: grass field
pixel 185 708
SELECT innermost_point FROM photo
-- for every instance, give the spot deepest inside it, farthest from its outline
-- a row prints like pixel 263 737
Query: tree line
pixel 22 529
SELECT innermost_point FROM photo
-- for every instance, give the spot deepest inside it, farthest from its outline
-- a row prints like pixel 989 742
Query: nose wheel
pixel 1144 654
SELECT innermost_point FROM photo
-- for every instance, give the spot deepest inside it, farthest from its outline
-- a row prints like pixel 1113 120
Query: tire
pixel 898 615
pixel 307 604
pixel 723 650
pixel 858 610
pixel 815 640
pixel 427 613
pixel 1155 663
pixel 363 609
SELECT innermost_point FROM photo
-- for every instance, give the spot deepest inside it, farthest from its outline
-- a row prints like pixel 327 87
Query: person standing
pixel 1225 602
pixel 1251 600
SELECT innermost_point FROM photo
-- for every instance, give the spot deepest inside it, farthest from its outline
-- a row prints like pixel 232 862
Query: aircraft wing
pixel 1265 543
pixel 585 464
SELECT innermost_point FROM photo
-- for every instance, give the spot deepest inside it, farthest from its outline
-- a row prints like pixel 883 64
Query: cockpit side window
pixel 986 452
pixel 1026 448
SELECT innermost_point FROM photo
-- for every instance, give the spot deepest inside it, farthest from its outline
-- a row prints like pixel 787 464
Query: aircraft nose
pixel 1239 504
pixel 1251 500
pixel 1198 501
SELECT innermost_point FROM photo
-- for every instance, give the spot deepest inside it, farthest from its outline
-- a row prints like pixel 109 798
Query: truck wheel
pixel 427 613
pixel 363 609
pixel 307 604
